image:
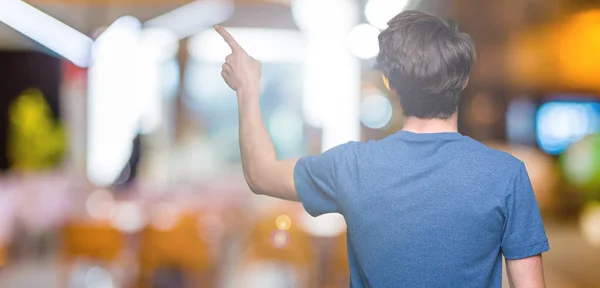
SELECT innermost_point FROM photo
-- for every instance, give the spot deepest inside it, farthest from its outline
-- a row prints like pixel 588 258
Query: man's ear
pixel 466 83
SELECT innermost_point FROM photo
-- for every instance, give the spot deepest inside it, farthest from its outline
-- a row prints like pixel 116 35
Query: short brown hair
pixel 427 62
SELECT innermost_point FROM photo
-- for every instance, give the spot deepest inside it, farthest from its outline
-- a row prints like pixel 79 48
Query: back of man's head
pixel 427 62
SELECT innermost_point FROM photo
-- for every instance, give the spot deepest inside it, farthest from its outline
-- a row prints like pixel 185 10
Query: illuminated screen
pixel 561 123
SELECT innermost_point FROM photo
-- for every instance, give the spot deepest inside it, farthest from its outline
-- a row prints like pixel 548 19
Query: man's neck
pixel 435 125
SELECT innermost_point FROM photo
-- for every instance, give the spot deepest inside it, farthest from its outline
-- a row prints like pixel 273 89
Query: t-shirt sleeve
pixel 524 233
pixel 316 181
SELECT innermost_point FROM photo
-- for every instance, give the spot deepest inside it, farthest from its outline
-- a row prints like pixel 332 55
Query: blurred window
pixel 214 102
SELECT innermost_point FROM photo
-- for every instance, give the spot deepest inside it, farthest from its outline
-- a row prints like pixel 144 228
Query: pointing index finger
pixel 234 45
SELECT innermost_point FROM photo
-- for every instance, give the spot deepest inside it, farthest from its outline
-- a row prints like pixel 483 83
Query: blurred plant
pixel 581 166
pixel 36 141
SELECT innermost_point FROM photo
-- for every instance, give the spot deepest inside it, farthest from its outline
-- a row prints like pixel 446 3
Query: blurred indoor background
pixel 119 160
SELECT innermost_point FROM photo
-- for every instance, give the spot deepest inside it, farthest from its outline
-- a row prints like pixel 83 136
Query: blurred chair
pixel 92 241
pixel 267 244
pixel 178 247
pixel 3 256
pixel 95 240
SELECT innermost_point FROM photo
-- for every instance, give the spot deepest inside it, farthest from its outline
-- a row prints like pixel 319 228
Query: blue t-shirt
pixel 425 210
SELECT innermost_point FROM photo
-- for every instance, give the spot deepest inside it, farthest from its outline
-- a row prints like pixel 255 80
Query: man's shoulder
pixel 467 149
pixel 491 154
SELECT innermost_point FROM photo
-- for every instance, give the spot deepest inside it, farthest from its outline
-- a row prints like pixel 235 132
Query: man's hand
pixel 240 71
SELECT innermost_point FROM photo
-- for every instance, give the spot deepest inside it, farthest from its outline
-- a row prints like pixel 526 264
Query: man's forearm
pixel 261 168
pixel 255 143
pixel 527 272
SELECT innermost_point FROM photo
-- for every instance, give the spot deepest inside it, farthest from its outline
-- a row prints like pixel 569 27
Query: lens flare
pixel 280 239
pixel 283 222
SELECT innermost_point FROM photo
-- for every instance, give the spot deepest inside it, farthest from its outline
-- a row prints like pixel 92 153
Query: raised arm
pixel 264 173
pixel 526 272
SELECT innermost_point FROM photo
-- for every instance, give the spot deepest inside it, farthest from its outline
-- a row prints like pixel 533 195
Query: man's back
pixel 425 210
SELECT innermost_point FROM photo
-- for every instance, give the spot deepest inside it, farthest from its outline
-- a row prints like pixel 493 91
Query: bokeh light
pixel 283 222
pixel 280 239
pixel 375 111
pixel 98 277
pixel 164 216
pixel 590 223
pixel 379 12
pixel 363 41
pixel 561 123
pixel 100 204
pixel 581 162
pixel 128 217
